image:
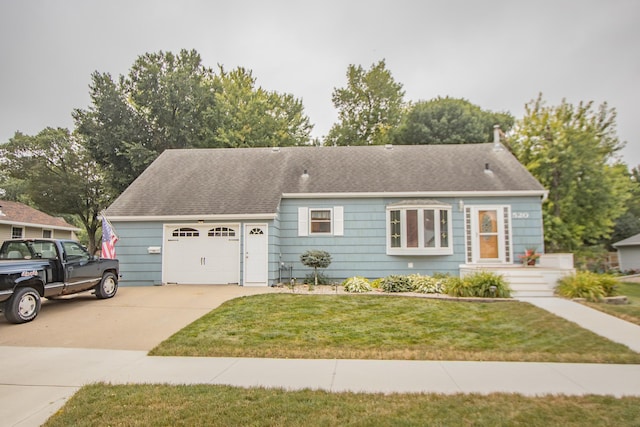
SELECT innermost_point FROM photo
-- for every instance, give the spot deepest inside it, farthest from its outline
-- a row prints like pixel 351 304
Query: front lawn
pixel 629 312
pixel 389 327
pixel 212 405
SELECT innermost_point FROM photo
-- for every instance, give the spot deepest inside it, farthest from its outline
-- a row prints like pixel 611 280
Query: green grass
pixel 389 327
pixel 212 405
pixel 629 312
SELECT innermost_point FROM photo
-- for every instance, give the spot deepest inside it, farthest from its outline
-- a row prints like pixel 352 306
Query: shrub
pixel 584 284
pixel 322 279
pixel 609 284
pixel 457 287
pixel 316 259
pixel 426 284
pixel 377 284
pixel 482 283
pixel 396 283
pixel 357 284
pixel 478 285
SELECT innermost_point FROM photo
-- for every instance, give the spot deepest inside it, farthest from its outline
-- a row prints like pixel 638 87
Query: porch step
pixel 528 283
pixel 538 281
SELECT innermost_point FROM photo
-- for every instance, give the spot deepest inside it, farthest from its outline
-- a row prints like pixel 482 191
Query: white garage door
pixel 202 254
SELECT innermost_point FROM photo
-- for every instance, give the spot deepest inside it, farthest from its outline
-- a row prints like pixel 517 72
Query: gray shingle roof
pixel 253 180
pixel 630 241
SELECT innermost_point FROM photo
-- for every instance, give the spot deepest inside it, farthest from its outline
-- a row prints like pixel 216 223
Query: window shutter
pixel 338 221
pixel 303 221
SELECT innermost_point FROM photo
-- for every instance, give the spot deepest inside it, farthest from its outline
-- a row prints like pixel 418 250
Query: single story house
pixel 629 253
pixel 19 221
pixel 245 215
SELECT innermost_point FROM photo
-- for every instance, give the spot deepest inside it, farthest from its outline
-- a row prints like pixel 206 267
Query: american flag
pixel 109 239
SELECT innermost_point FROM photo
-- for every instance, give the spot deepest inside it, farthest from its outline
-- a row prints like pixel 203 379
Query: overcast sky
pixel 497 54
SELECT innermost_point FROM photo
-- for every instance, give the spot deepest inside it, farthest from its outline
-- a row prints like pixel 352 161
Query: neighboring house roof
pixel 631 241
pixel 251 181
pixel 19 214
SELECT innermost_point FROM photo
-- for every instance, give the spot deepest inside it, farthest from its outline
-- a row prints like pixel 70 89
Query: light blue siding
pixel 360 251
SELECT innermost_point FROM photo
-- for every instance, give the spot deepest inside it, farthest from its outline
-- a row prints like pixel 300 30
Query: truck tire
pixel 107 287
pixel 23 306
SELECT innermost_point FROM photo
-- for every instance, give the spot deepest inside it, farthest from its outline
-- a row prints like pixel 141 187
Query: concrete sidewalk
pixel 603 324
pixel 36 382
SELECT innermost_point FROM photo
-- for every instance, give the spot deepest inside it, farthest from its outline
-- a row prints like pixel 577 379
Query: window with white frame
pixel 17 232
pixel 47 234
pixel 321 221
pixel 419 229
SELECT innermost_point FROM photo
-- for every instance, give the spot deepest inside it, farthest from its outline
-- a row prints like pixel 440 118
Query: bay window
pixel 419 229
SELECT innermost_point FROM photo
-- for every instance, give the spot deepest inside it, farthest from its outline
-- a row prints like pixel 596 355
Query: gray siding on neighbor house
pixel 362 249
pixel 629 258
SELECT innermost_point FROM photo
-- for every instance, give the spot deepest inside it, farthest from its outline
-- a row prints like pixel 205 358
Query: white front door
pixel 488 228
pixel 256 255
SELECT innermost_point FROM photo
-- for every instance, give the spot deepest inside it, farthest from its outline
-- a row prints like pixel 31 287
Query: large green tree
pixel 572 151
pixel 247 116
pixel 370 107
pixel 450 121
pixel 173 101
pixel 58 175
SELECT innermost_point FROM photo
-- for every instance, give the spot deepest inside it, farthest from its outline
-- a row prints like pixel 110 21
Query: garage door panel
pixel 208 255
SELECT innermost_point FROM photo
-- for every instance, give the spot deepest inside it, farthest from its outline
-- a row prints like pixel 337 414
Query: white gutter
pixel 225 217
pixel 454 194
pixel 45 226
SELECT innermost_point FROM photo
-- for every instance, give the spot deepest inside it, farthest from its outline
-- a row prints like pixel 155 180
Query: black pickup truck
pixel 31 269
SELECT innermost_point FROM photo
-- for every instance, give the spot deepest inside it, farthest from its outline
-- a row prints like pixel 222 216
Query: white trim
pixel 519 193
pixel 44 226
pixel 421 249
pixel 338 221
pixel 225 217
pixel 303 221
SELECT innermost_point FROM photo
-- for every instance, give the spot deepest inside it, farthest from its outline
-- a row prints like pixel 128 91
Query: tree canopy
pixel 58 176
pixel 449 121
pixel 572 151
pixel 173 101
pixel 369 108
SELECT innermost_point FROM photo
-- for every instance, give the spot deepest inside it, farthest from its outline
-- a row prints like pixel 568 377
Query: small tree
pixel 316 259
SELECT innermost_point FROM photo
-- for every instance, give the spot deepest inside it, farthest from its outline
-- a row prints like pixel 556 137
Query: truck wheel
pixel 107 287
pixel 23 306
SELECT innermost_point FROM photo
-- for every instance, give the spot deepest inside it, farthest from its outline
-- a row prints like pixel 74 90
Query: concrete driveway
pixel 137 318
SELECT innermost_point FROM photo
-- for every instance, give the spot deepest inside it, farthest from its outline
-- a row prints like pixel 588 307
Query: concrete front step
pixel 524 281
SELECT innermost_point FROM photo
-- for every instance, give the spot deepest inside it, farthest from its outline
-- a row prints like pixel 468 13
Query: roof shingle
pixel 239 181
pixel 19 213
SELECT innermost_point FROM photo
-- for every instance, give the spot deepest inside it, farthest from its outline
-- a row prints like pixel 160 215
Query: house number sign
pixel 520 215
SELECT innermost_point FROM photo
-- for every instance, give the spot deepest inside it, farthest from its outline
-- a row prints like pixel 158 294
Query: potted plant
pixel 530 256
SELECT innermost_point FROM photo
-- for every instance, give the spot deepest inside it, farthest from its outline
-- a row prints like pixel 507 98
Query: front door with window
pixel 488 234
pixel 256 256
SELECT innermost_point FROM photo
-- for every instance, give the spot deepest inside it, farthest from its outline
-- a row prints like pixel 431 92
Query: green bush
pixel 482 282
pixel 377 284
pixel 585 284
pixel 396 283
pixel 478 284
pixel 457 287
pixel 426 284
pixel 357 284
